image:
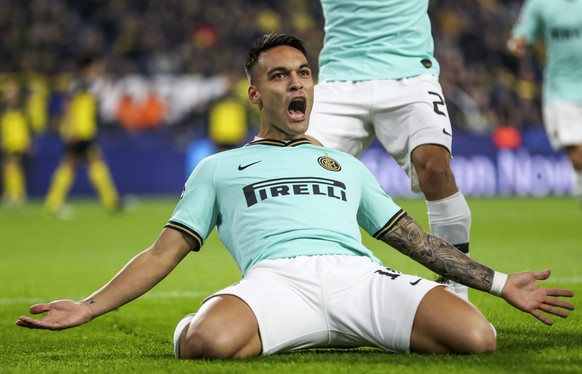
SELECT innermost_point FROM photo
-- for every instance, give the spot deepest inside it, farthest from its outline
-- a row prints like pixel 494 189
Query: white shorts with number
pixel 563 123
pixel 402 114
pixel 330 301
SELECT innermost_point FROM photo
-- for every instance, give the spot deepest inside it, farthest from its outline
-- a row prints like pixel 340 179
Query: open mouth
pixel 296 109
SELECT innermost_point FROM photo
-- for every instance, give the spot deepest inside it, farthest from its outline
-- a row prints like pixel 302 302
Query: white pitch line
pixel 186 294
pixel 575 280
pixel 152 295
pixel 175 294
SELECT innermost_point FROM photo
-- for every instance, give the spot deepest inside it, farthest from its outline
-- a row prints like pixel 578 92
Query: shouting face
pixel 282 87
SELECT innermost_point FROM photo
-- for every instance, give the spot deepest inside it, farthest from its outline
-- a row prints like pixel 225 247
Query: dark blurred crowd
pixel 145 36
pixel 484 84
pixel 204 42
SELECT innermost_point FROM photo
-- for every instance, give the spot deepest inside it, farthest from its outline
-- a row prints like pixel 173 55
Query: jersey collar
pixel 280 143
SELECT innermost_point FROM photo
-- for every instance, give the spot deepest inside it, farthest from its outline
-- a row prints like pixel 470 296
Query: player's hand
pixel 523 292
pixel 61 314
pixel 517 45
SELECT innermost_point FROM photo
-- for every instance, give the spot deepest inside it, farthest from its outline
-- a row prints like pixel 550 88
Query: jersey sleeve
pixel 529 24
pixel 377 212
pixel 196 213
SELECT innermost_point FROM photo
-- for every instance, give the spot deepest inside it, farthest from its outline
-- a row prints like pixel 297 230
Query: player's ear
pixel 254 94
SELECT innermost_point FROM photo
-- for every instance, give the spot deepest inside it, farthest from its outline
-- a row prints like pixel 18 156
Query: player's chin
pixel 298 127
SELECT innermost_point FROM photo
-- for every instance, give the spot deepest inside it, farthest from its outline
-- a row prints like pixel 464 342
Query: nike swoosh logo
pixel 415 282
pixel 241 167
pixel 446 132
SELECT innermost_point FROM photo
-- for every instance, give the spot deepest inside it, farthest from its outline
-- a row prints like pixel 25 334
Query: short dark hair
pixel 268 41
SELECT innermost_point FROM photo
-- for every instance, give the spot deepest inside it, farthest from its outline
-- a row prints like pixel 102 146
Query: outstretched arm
pixel 408 237
pixel 520 290
pixel 140 274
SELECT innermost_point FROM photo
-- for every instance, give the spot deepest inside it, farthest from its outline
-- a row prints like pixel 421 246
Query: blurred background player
pixel 79 133
pixel 227 121
pixel 378 78
pixel 16 140
pixel 558 24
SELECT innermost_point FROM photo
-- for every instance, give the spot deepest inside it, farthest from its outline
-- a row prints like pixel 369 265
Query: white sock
pixel 178 332
pixel 494 329
pixel 450 219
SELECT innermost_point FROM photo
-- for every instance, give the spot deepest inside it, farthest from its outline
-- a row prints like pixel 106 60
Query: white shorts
pixel 563 123
pixel 402 114
pixel 330 301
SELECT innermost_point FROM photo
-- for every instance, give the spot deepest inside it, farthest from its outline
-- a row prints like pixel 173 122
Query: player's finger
pixel 559 292
pixel 33 323
pixel 542 275
pixel 542 317
pixel 555 311
pixel 559 303
pixel 28 322
pixel 39 308
pixel 21 323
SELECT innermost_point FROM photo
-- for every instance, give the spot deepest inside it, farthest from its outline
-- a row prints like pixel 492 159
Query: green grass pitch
pixel 43 260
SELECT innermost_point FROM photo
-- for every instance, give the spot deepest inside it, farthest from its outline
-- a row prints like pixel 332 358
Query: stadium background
pixel 183 58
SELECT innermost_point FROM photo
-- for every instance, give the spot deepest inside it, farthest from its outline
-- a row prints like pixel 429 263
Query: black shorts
pixel 81 148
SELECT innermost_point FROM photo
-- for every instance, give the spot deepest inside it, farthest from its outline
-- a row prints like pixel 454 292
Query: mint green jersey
pixel 376 39
pixel 559 24
pixel 271 200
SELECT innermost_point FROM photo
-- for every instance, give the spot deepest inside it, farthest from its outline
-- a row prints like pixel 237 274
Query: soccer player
pixel 79 132
pixel 378 78
pixel 289 213
pixel 15 141
pixel 558 24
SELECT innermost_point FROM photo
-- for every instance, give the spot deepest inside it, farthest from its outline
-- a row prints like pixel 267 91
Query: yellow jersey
pixel 14 131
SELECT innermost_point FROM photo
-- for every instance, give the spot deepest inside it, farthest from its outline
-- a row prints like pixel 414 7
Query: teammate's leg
pixel 224 327
pixel 444 323
pixel 340 117
pixel 422 135
pixel 101 179
pixel 418 135
pixel 564 130
pixel 575 155
pixel 60 185
pixel 14 181
pixel 449 215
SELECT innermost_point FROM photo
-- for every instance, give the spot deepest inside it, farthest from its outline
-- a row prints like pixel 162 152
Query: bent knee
pixel 199 345
pixel 216 345
pixel 481 340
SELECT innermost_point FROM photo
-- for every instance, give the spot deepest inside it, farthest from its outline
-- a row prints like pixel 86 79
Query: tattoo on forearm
pixel 408 237
pixel 91 300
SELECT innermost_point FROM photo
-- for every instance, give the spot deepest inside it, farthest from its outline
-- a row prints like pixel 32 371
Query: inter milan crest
pixel 329 163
